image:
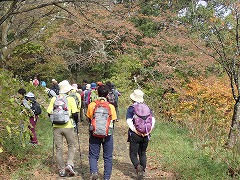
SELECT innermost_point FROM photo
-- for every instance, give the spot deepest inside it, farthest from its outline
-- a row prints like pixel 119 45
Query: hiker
pixel 99 83
pixel 95 141
pixel 31 81
pixel 77 98
pixel 27 101
pixel 55 86
pixel 113 95
pixel 43 84
pixel 64 108
pixel 35 81
pixel 92 94
pixel 84 106
pixel 84 84
pixel 85 93
pixel 137 137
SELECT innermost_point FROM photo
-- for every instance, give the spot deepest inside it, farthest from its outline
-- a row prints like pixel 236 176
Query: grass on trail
pixel 170 146
pixel 177 153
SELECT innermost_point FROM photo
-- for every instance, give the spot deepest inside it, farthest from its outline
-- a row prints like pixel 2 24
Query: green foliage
pixel 150 8
pixel 147 26
pixel 179 154
pixel 15 117
pixel 124 70
pixel 30 48
pixel 167 48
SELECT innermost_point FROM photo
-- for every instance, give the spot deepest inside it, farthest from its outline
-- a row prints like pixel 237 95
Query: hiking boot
pixel 62 173
pixel 140 172
pixel 94 176
pixel 69 170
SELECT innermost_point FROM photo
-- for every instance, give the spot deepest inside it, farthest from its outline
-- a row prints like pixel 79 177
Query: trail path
pixel 122 167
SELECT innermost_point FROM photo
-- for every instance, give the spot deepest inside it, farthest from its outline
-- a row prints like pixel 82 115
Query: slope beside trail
pixel 122 166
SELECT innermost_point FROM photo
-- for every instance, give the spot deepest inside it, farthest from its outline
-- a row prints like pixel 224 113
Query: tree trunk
pixel 235 126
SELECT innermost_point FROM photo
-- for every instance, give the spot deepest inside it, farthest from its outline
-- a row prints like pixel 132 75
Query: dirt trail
pixel 122 167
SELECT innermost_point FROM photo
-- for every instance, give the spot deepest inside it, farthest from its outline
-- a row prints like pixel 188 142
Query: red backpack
pixel 101 119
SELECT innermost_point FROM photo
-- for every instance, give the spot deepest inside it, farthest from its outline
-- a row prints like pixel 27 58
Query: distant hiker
pixel 35 81
pixel 31 81
pixel 43 84
pixel 99 83
pixel 93 94
pixel 62 111
pixel 141 122
pixel 113 95
pixel 55 86
pixel 86 93
pixel 84 83
pixel 33 108
pixel 84 106
pixel 101 115
pixel 77 97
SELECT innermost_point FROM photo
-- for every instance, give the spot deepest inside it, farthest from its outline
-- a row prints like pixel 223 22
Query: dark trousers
pixel 138 147
pixel 94 152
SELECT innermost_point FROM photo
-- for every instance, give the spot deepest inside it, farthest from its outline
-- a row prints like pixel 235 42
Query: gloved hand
pixel 75 117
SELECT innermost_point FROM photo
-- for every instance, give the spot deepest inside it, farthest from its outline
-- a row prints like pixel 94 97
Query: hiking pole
pixel 79 148
pixel 53 150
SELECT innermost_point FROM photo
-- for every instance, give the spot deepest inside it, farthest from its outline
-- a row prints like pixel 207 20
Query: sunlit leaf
pixel 8 129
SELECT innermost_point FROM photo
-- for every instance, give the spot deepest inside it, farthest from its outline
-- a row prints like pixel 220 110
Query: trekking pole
pixel 53 150
pixel 135 80
pixel 79 148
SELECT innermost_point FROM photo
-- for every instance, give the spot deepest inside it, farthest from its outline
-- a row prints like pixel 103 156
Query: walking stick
pixel 53 150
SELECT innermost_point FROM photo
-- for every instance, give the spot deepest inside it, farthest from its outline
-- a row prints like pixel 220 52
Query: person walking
pixel 139 137
pixel 55 86
pixel 65 129
pixel 27 100
pixel 113 96
pixel 96 142
pixel 35 81
pixel 77 98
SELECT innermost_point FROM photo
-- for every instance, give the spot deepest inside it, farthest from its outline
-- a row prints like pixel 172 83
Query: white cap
pixel 75 86
pixel 30 95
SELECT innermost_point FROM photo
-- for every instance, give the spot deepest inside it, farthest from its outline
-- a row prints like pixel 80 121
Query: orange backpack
pixel 101 119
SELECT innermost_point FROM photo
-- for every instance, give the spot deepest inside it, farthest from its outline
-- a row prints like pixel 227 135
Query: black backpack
pixel 111 98
pixel 36 108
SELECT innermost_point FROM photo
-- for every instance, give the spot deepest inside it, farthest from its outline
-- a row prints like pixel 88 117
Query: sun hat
pixel 88 86
pixel 29 95
pixel 75 86
pixel 64 87
pixel 54 80
pixel 93 85
pixel 137 95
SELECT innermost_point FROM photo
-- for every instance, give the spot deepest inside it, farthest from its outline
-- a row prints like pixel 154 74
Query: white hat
pixel 75 86
pixel 54 80
pixel 88 86
pixel 29 95
pixel 137 95
pixel 64 87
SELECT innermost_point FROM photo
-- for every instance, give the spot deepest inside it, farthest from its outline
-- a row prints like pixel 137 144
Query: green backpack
pixel 93 95
pixel 73 94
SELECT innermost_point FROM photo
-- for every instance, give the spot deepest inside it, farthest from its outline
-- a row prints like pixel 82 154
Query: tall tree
pixel 216 24
pixel 86 31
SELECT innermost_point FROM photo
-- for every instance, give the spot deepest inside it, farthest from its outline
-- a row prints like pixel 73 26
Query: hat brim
pixel 136 99
pixel 66 89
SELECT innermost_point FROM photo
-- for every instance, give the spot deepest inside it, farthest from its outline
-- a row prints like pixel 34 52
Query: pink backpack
pixel 142 118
